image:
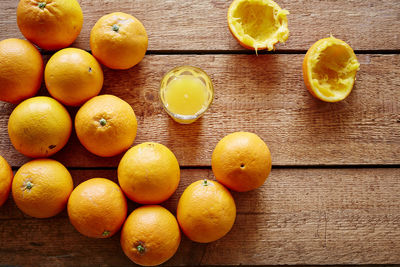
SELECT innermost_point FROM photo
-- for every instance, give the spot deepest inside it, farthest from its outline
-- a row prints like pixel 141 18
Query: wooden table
pixel 333 196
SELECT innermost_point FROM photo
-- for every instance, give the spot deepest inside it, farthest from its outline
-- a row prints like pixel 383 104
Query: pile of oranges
pixel 106 125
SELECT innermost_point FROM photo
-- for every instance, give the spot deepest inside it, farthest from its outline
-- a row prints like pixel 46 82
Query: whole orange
pixel 241 161
pixel 149 173
pixel 206 211
pixel 329 69
pixel 39 127
pixel 6 177
pixel 21 70
pixel 50 24
pixel 97 208
pixel 106 125
pixel 73 76
pixel 118 40
pixel 150 235
pixel 41 188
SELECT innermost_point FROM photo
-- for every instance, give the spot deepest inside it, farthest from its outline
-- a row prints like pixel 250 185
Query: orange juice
pixel 186 92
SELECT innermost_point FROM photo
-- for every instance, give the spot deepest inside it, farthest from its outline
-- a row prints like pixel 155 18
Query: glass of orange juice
pixel 186 92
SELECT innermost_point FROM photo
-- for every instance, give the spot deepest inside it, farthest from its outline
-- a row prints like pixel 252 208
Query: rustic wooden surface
pixel 264 94
pixel 201 25
pixel 299 216
pixel 333 196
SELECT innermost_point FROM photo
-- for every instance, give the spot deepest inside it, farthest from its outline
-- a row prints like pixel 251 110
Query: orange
pixel 258 24
pixel 50 24
pixel 39 127
pixel 41 188
pixel 149 173
pixel 21 70
pixel 97 208
pixel 329 69
pixel 73 76
pixel 118 40
pixel 206 211
pixel 241 161
pixel 6 177
pixel 150 235
pixel 106 125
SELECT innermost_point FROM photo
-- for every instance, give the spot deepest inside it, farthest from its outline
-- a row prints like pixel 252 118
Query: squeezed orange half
pixel 329 69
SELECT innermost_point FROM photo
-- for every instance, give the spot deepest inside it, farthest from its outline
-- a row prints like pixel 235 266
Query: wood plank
pixel 202 25
pixel 263 94
pixel 300 216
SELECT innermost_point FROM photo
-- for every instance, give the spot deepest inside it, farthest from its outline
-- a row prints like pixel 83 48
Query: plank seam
pixel 244 52
pixel 354 166
pixel 251 52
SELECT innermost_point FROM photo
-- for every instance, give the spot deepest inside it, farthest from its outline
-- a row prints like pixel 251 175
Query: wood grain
pixel 337 214
pixel 263 94
pixel 201 25
pixel 299 216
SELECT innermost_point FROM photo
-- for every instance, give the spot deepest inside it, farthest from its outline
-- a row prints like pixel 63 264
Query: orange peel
pixel 329 69
pixel 258 24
